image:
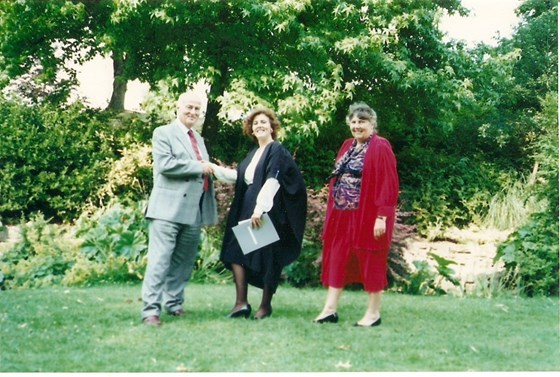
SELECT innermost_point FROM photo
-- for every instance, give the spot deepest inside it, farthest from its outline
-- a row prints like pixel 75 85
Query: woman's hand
pixel 256 221
pixel 380 227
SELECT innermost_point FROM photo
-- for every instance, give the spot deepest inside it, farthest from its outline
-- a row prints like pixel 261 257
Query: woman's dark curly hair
pixel 248 122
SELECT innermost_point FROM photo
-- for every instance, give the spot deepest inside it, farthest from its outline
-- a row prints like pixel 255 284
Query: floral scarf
pixel 348 172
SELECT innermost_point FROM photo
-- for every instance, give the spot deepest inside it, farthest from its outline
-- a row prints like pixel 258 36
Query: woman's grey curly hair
pixel 361 110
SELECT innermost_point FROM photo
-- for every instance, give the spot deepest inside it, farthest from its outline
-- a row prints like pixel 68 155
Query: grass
pixel 98 329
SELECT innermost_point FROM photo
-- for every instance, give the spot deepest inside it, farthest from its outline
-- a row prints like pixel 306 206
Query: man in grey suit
pixel 182 200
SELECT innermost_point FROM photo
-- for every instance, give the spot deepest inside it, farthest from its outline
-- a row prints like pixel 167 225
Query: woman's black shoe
pixel 377 322
pixel 243 312
pixel 331 318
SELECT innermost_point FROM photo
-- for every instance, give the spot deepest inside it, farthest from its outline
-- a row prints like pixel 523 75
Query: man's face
pixel 188 112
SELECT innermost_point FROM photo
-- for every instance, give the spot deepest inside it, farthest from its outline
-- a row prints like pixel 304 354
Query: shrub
pixel 443 190
pixel 41 257
pixel 130 176
pixel 427 281
pixel 208 268
pixel 50 160
pixel 115 236
pixel 530 254
pixel 305 271
pixel 114 244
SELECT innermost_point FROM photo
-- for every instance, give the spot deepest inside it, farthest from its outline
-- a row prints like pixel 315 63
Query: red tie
pixel 198 156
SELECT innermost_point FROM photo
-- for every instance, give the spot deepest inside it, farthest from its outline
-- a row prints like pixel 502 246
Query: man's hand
pixel 207 168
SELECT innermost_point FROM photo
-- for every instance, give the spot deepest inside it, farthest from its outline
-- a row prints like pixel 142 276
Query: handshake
pixel 221 173
pixel 207 168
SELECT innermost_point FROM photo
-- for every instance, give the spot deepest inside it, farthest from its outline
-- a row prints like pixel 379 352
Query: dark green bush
pixel 530 256
pixel 208 268
pixel 55 159
pixel 50 159
pixel 305 271
pixel 444 190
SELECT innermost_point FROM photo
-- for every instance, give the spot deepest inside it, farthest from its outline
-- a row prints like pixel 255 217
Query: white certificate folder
pixel 251 239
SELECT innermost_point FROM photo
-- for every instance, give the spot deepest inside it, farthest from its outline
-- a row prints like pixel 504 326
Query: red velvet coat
pixel 378 196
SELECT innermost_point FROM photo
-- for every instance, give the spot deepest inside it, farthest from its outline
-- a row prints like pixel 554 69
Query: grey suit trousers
pixel 172 252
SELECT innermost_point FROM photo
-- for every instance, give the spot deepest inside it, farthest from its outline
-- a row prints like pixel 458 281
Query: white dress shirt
pixel 265 199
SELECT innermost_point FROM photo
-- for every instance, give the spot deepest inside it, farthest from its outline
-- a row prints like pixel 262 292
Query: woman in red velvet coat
pixel 360 216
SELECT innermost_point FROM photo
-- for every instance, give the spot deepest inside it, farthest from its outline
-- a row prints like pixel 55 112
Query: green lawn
pixel 99 330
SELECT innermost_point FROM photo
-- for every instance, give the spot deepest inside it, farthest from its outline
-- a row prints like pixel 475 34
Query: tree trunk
pixel 211 124
pixel 119 84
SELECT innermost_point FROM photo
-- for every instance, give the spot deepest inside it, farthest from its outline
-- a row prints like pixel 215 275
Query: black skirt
pixel 262 266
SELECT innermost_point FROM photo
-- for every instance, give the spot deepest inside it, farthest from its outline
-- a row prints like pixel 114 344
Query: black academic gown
pixel 288 214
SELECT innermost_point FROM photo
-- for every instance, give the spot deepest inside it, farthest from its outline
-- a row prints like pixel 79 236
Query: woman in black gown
pixel 267 180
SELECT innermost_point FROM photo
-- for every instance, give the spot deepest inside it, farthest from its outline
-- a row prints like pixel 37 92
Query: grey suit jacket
pixel 178 181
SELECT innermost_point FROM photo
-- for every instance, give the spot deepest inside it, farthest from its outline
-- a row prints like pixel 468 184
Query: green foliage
pixel 108 245
pixel 545 153
pixel 315 155
pixel 530 255
pixel 426 281
pixel 320 54
pixel 305 271
pixel 114 242
pixel 130 177
pixel 208 268
pixel 40 258
pixel 512 206
pixel 52 159
pixel 115 232
pixel 231 145
pixel 445 190
pixel 536 72
pixel 531 252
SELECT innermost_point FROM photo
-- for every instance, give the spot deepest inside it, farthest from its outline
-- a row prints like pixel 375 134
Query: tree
pixel 306 58
pixel 44 35
pixel 536 72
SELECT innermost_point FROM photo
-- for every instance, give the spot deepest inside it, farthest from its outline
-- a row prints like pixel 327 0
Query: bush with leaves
pixel 445 190
pixel 114 245
pixel 208 268
pixel 41 257
pixel 51 160
pixel 115 236
pixel 530 255
pixel 129 178
pixel 427 281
